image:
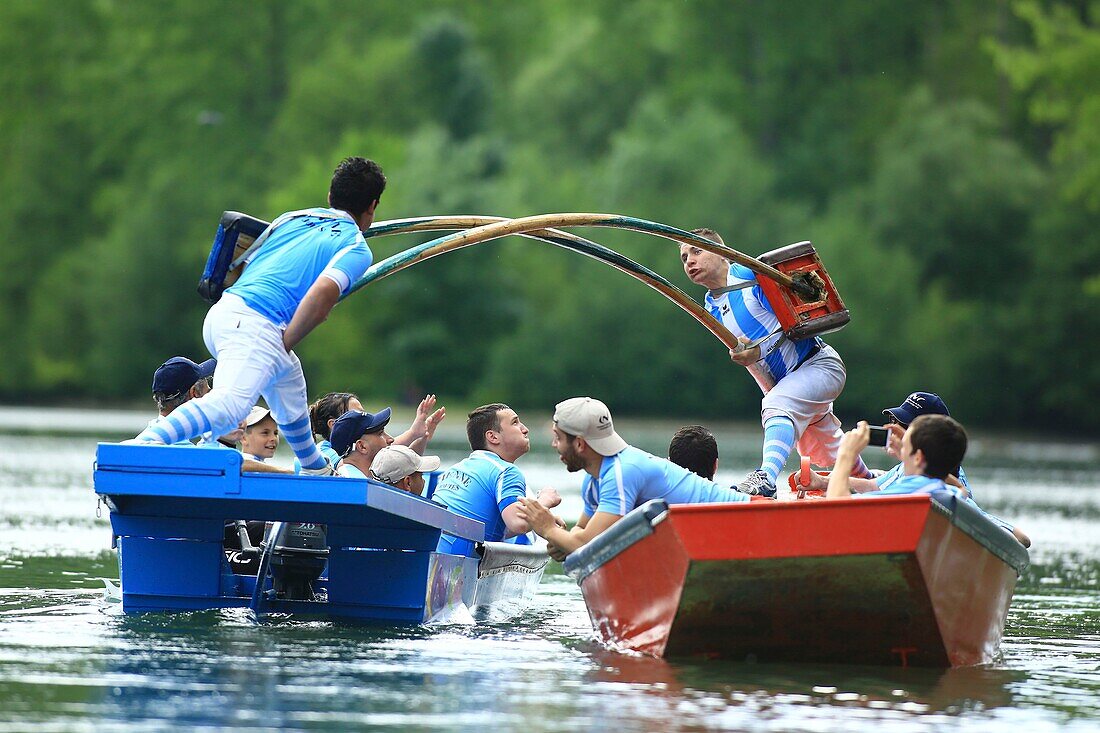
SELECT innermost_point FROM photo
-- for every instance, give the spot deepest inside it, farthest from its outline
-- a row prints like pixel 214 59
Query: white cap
pixel 591 420
pixel 395 462
pixel 258 413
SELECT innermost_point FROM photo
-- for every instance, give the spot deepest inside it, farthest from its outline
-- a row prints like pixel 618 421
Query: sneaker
pixel 757 483
pixel 325 470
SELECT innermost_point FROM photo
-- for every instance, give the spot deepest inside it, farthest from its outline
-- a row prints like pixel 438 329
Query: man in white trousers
pixel 308 261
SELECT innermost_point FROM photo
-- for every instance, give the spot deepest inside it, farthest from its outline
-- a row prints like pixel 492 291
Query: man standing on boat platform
pixel 289 285
pixel 806 375
pixel 620 477
pixel 486 486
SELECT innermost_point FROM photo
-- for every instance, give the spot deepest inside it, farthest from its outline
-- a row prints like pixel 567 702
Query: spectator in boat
pixel 357 437
pixel 620 477
pixel 177 381
pixel 324 412
pixel 900 417
pixel 487 485
pixel 930 448
pixel 695 448
pixel 308 261
pixel 800 379
pixel 261 435
pixel 402 468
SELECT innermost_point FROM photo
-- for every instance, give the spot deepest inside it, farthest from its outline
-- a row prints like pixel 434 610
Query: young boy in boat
pixel 805 376
pixel 261 435
pixel 620 477
pixel 487 485
pixel 403 468
pixel 288 287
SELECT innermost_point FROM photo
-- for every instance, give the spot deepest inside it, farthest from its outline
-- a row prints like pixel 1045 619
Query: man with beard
pixel 620 477
pixel 486 486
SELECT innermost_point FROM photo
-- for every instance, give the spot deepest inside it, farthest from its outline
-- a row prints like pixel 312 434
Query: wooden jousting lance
pixel 561 239
pixel 804 286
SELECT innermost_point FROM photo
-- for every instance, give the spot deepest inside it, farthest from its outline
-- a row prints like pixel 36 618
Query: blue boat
pixel 337 547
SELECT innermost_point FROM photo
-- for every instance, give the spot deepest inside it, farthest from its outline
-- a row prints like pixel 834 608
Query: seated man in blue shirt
pixel 932 447
pixel 620 477
pixel 487 485
pixel 899 418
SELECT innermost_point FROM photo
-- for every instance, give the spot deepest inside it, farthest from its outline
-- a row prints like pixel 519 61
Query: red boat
pixel 910 580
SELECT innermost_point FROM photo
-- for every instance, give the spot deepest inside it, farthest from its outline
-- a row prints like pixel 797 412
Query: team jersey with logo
pixel 746 312
pixel 302 246
pixel 632 477
pixel 479 487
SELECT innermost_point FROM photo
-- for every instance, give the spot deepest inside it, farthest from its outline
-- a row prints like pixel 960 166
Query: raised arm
pixel 312 311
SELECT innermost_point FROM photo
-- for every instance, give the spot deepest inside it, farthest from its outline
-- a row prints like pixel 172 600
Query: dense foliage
pixel 943 156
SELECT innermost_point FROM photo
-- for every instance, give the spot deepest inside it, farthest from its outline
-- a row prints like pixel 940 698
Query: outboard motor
pixel 299 552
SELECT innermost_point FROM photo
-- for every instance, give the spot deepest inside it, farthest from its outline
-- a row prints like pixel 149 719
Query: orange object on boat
pixel 801 318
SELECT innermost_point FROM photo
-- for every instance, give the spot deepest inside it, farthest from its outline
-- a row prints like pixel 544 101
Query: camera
pixel 879 435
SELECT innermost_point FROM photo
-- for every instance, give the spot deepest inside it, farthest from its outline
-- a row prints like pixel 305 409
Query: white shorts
pixel 252 362
pixel 806 396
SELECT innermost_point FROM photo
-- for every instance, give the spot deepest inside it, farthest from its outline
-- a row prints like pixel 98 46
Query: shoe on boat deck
pixel 325 470
pixel 757 483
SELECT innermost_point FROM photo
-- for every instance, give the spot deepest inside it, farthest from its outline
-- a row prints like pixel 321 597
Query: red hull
pixel 895 580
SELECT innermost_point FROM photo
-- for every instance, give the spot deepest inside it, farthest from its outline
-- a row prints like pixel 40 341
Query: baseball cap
pixel 591 420
pixel 915 405
pixel 179 373
pixel 258 413
pixel 352 425
pixel 395 462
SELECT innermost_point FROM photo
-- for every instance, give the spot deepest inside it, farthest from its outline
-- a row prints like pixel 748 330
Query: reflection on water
pixel 70 660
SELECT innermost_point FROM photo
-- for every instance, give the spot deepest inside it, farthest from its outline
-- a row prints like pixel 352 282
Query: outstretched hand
pixel 538 517
pixel 549 497
pixel 426 421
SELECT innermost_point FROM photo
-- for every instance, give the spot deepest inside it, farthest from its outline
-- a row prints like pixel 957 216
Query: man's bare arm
pixel 312 311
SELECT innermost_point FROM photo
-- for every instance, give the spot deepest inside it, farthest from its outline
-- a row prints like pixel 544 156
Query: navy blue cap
pixel 179 373
pixel 915 405
pixel 353 425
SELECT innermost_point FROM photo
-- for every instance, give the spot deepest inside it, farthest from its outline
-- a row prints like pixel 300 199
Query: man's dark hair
pixel 694 448
pixel 484 418
pixel 708 233
pixel 329 407
pixel 356 183
pixel 942 440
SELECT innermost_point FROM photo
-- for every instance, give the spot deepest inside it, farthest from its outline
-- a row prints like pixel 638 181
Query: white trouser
pixel 252 362
pixel 806 396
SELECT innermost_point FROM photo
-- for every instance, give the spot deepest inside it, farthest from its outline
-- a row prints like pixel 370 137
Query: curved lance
pixel 800 283
pixel 565 240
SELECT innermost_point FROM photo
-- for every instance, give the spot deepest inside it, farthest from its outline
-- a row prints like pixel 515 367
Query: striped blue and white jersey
pixel 632 477
pixel 479 487
pixel 302 246
pixel 746 312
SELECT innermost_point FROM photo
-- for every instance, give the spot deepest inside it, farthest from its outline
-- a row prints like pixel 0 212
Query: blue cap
pixel 353 425
pixel 179 374
pixel 915 405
